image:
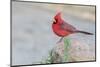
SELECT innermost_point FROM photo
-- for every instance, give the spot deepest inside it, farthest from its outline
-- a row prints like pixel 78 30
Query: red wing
pixel 68 27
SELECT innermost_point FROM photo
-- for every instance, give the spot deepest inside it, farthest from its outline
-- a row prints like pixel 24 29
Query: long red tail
pixel 85 32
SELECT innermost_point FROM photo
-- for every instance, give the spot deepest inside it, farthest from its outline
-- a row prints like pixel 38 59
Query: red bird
pixel 62 28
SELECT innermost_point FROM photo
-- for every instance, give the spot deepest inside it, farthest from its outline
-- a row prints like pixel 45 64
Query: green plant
pixel 54 57
pixel 67 44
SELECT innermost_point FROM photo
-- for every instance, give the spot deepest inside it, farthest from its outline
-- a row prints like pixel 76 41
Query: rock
pixel 78 51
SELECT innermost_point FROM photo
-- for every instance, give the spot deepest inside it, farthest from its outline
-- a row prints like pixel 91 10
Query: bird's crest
pixel 58 15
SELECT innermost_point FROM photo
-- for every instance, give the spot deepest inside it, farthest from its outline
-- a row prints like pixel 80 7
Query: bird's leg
pixel 60 39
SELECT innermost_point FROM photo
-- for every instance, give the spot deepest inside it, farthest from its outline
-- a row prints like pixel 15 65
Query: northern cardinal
pixel 62 28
